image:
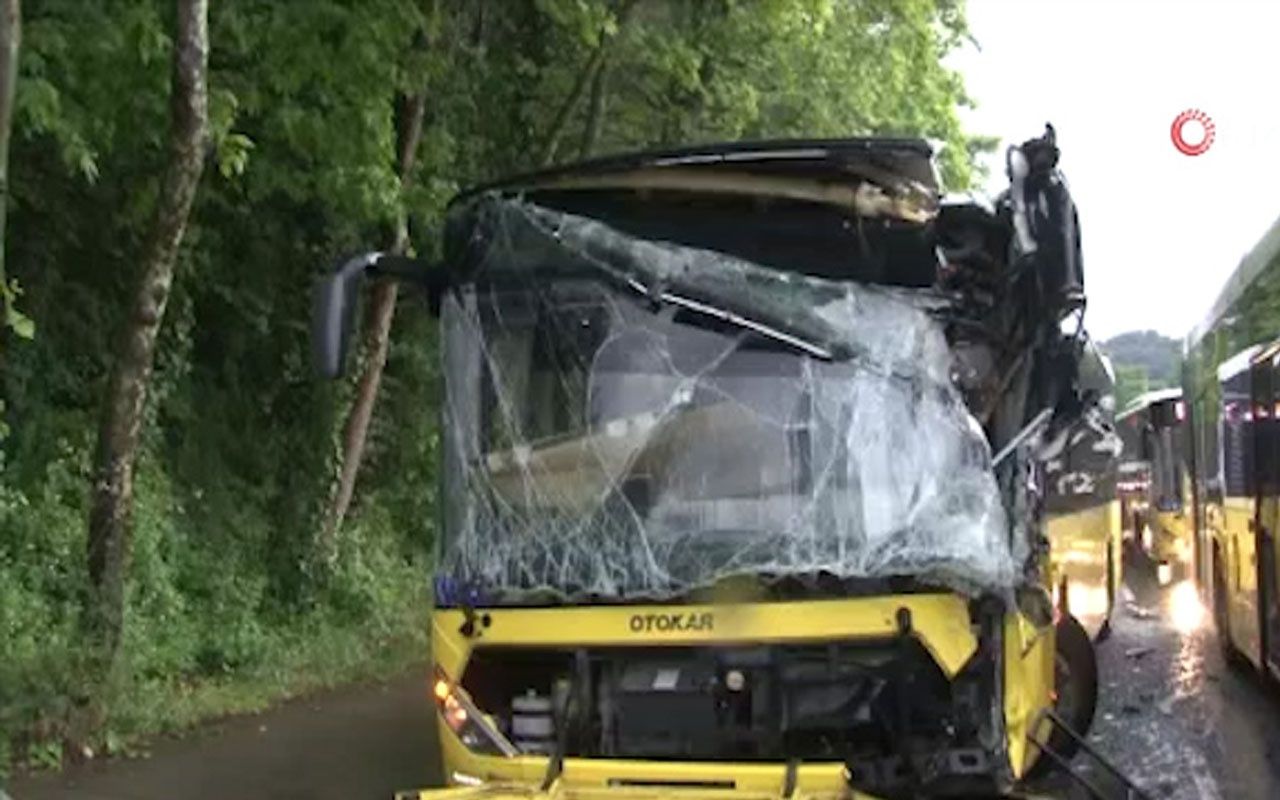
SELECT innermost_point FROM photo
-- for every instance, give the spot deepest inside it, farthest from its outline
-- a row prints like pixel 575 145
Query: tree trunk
pixel 588 76
pixel 10 40
pixel 377 334
pixel 594 62
pixel 595 111
pixel 109 546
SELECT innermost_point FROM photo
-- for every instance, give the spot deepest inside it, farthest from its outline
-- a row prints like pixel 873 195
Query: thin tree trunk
pixel 377 334
pixel 586 77
pixel 595 111
pixel 570 104
pixel 110 534
pixel 10 41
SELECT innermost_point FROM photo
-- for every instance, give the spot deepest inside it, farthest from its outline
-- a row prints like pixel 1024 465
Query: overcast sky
pixel 1161 231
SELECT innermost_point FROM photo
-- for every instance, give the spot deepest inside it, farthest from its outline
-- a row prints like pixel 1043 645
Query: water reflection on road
pixel 1172 714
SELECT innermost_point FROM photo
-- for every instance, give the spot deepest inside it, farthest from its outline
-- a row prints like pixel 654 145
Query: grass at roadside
pixel 226 616
pixel 307 660
pixel 334 658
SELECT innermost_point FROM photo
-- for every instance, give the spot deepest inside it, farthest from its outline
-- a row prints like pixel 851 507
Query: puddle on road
pixel 1172 715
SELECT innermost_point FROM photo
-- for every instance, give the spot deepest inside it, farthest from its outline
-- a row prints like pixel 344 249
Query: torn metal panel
pixel 630 418
pixel 905 200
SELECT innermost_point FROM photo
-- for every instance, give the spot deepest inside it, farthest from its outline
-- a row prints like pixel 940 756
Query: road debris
pixel 1140 612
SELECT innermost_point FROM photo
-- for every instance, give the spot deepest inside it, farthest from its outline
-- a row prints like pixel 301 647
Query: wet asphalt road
pixel 357 744
pixel 1172 716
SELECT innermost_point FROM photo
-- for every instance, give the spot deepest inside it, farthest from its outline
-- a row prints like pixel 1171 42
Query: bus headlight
pixel 468 723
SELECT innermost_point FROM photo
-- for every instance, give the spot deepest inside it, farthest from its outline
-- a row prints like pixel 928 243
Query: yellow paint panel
pixel 595 778
pixel 563 792
pixel 1028 686
pixel 1078 547
pixel 1239 552
pixel 940 622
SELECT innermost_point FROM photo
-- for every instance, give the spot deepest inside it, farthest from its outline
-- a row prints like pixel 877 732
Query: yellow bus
pixel 1155 427
pixel 744 455
pixel 1085 523
pixel 1231 378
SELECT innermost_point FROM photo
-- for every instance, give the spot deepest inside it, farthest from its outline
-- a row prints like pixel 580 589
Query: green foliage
pixel 21 325
pixel 225 610
pixel 1144 361
pixel 1131 381
pixel 1158 355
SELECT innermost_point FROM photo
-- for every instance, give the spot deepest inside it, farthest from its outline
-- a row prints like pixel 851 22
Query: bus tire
pixel 1076 684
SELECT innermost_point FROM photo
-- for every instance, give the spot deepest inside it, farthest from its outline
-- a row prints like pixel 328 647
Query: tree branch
pixel 586 76
pixel 570 104
pixel 594 124
pixel 377 337
pixel 10 42
pixel 377 331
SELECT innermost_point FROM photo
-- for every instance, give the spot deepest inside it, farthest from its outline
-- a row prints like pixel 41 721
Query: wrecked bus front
pixel 631 420
pixel 741 479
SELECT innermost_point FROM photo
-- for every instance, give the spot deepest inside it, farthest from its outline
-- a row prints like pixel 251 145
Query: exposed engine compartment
pixel 882 707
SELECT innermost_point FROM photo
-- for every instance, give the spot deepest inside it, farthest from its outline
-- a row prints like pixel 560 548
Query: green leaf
pixel 22 325
pixel 233 154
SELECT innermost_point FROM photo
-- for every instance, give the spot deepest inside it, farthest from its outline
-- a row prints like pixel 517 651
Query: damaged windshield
pixel 604 445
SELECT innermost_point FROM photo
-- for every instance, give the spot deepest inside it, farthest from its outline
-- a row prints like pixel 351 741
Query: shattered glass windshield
pixel 606 440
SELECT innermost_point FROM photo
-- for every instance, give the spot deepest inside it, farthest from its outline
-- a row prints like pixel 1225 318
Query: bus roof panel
pixel 1238 363
pixel 1149 399
pixel 1254 263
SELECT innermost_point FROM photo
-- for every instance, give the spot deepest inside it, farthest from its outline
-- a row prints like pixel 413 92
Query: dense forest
pixel 191 523
pixel 1143 361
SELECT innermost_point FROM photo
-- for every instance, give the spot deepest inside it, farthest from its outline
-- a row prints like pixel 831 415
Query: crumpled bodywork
pixel 746 451
pixel 634 419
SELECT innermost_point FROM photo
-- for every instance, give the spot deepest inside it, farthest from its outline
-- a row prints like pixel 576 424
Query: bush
pixel 211 627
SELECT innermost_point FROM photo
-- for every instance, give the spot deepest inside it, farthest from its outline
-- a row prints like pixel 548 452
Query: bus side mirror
pixel 337 294
pixel 333 311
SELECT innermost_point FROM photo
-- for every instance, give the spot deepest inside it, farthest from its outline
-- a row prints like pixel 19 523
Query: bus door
pixel 1166 479
pixel 1269 504
pixel 1267 515
pixel 1239 514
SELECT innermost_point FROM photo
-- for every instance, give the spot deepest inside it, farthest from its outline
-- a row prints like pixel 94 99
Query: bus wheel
pixel 1076 685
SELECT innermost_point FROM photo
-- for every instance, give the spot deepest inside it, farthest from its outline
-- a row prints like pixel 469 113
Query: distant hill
pixel 1143 360
pixel 1159 356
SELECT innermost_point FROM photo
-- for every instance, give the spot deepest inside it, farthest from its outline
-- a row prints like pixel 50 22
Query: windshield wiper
pixel 754 326
pixel 666 276
pixel 614 254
